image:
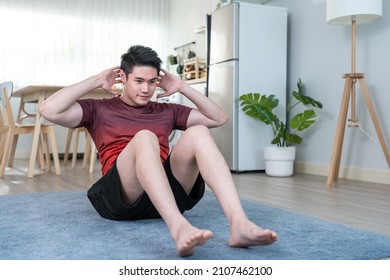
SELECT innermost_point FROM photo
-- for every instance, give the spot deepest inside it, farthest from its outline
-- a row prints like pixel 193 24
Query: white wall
pixel 184 17
pixel 319 53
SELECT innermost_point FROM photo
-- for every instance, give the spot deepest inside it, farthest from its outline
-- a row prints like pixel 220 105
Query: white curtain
pixel 59 42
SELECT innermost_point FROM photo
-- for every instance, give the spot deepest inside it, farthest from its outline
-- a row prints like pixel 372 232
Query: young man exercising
pixel 140 178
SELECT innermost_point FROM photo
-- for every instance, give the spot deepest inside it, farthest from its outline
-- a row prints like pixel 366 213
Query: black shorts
pixel 105 196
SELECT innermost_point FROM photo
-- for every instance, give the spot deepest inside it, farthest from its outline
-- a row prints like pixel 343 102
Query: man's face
pixel 139 86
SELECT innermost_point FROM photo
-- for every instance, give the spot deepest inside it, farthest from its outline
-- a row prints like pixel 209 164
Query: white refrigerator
pixel 247 52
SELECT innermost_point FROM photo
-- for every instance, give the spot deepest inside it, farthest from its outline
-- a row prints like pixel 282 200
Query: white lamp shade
pixel 341 12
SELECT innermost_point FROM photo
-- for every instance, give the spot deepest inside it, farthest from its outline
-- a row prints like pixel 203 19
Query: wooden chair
pixel 13 130
pixel 89 150
pixel 3 130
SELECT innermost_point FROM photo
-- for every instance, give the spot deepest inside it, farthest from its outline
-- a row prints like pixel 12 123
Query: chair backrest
pixel 6 115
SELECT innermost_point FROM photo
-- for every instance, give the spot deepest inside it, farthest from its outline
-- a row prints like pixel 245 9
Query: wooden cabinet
pixel 194 68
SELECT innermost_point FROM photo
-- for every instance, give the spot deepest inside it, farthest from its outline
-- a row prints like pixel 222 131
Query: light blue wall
pixel 319 53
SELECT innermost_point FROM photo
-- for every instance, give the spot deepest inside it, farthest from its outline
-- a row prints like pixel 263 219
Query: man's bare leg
pixel 197 149
pixel 140 170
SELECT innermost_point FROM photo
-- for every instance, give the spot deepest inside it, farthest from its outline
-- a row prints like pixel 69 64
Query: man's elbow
pixel 222 120
pixel 44 111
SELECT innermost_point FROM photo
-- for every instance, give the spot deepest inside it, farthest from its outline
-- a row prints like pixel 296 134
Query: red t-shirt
pixel 112 124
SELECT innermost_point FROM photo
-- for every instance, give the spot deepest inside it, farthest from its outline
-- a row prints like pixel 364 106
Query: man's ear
pixel 122 76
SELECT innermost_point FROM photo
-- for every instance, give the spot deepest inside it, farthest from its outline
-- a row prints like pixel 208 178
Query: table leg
pixel 34 146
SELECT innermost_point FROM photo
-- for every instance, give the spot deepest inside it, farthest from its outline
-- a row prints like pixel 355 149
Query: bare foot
pixel 247 234
pixel 188 238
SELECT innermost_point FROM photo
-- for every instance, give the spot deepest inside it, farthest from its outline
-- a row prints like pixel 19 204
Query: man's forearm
pixel 63 99
pixel 205 105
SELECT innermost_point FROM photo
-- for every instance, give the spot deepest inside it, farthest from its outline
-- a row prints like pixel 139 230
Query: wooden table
pixel 37 94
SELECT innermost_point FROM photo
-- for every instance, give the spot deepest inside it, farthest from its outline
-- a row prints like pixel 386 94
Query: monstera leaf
pixel 260 107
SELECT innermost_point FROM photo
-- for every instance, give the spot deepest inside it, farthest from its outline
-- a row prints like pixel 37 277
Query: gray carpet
pixel 65 226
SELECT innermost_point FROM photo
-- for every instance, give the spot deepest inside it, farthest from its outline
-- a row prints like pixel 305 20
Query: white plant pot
pixel 279 161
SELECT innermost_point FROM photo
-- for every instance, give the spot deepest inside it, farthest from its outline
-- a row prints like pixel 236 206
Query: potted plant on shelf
pixel 172 60
pixel 279 158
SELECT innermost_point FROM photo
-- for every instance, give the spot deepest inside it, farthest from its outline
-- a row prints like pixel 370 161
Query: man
pixel 141 180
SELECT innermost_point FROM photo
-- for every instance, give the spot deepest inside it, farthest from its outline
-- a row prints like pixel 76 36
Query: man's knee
pixel 197 135
pixel 145 137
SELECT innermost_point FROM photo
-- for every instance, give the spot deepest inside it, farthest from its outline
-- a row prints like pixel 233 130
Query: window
pixel 60 42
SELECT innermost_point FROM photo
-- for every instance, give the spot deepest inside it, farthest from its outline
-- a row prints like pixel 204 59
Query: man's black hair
pixel 140 56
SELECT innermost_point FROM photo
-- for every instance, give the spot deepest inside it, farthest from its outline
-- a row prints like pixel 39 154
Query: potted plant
pixel 172 60
pixel 285 134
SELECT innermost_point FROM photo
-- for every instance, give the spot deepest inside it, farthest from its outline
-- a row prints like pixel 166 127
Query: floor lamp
pixel 352 12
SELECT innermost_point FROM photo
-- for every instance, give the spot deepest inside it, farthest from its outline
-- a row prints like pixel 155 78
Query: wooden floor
pixel 357 204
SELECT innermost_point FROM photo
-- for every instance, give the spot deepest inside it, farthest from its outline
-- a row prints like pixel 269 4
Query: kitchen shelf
pixel 200 30
pixel 194 68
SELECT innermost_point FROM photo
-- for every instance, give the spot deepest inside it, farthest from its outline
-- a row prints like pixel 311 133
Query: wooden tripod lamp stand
pixel 352 12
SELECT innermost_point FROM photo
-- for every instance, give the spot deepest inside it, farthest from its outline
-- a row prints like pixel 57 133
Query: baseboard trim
pixel 352 173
